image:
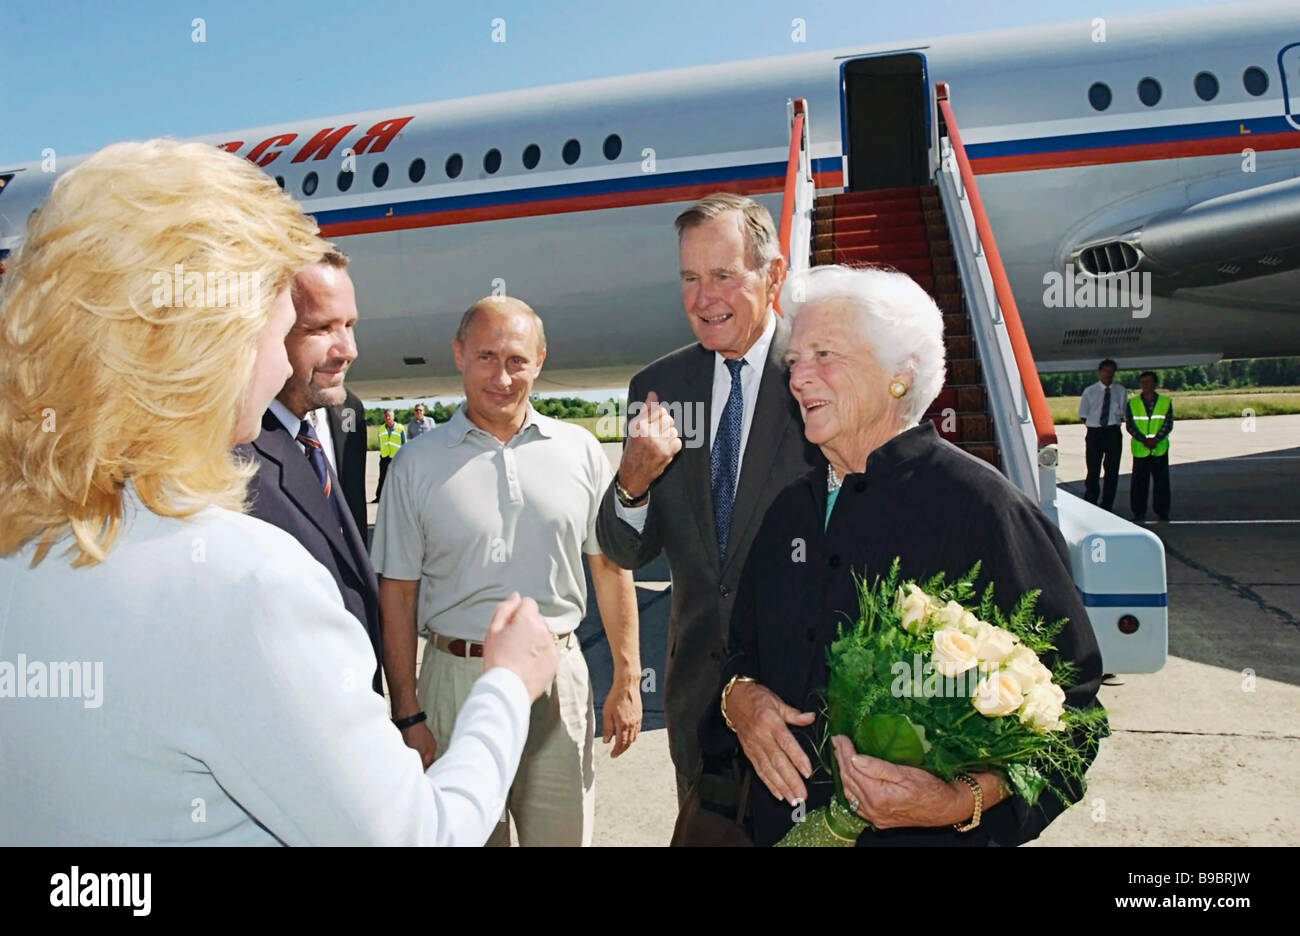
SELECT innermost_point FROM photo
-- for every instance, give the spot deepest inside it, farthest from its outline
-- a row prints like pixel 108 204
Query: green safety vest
pixel 1149 425
pixel 390 440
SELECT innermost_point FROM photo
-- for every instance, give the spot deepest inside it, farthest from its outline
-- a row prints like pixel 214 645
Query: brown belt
pixel 468 648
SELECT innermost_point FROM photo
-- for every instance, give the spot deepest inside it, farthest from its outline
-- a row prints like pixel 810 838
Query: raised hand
pixel 652 444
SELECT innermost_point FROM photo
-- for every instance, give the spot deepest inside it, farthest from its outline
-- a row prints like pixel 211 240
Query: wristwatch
pixel 626 499
pixel 409 721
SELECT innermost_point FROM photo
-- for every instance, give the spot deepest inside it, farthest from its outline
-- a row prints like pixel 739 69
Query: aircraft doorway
pixel 885 107
pixel 1288 64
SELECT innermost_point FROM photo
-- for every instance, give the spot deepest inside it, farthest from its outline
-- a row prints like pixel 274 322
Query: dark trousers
pixel 1152 468
pixel 383 471
pixel 1102 445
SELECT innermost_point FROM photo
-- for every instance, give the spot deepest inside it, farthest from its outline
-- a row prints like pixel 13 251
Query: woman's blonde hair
pixel 110 373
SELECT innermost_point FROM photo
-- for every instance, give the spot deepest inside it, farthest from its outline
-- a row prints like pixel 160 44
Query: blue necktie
pixel 316 456
pixel 725 457
pixel 1105 408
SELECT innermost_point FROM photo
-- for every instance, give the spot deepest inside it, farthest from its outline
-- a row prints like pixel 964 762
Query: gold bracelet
pixel 726 692
pixel 978 792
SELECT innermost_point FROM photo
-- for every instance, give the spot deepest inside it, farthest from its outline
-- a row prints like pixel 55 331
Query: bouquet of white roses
pixel 931 678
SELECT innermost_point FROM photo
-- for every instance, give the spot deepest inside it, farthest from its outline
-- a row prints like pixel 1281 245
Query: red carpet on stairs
pixel 904 228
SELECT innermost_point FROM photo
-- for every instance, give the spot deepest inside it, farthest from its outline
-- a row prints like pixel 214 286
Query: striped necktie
pixel 315 455
pixel 725 457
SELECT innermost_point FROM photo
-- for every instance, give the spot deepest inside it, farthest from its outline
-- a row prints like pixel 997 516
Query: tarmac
pixel 1203 752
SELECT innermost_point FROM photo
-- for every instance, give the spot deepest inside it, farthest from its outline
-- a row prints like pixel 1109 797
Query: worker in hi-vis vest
pixel 1150 419
pixel 391 438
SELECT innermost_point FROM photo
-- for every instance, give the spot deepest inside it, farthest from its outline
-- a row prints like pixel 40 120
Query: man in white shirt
pixel 500 499
pixel 699 499
pixel 1102 407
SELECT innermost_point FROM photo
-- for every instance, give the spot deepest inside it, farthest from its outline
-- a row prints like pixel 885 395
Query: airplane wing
pixel 1221 240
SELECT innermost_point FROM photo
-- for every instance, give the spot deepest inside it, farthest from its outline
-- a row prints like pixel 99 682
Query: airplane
pixel 1162 148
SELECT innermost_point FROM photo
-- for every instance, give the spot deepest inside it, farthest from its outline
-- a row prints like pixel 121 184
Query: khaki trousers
pixel 553 798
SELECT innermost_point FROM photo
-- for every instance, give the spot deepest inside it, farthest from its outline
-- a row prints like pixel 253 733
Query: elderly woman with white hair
pixel 866 360
pixel 173 671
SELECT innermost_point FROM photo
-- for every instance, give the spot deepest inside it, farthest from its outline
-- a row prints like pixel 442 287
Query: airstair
pixel 992 404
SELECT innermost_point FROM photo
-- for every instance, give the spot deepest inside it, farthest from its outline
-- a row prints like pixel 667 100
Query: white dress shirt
pixel 751 375
pixel 319 419
pixel 1090 404
pixel 234 705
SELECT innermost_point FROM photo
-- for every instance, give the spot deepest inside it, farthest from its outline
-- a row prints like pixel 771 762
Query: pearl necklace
pixel 832 482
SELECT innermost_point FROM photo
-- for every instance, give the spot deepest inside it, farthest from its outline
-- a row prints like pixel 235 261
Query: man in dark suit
pixel 296 487
pixel 348 431
pixel 713 435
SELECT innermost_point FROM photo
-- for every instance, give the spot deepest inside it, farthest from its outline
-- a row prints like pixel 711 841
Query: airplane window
pixel 380 176
pixel 613 146
pixel 532 155
pixel 454 165
pixel 345 180
pixel 1149 92
pixel 572 150
pixel 279 180
pixel 1255 80
pixel 309 182
pixel 1207 86
pixel 492 161
pixel 1099 96
pixel 416 172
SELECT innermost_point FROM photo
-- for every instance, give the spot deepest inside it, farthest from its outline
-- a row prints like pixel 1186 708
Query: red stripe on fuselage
pixel 1140 152
pixel 607 201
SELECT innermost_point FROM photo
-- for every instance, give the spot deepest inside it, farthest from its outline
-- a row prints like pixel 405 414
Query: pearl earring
pixel 897 388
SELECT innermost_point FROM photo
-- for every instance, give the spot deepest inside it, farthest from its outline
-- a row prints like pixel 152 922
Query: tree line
pixel 1250 372
pixel 1254 372
pixel 556 407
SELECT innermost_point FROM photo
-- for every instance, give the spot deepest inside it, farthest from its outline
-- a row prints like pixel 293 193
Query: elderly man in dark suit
pixel 712 436
pixel 296 487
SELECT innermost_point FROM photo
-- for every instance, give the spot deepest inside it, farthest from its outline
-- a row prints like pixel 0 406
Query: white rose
pixel 997 694
pixel 954 652
pixel 1024 665
pixel 1043 707
pixel 951 614
pixel 994 644
pixel 970 624
pixel 915 607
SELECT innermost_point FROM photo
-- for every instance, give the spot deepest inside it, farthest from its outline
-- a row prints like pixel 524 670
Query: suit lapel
pixel 767 432
pixel 697 387
pixel 299 484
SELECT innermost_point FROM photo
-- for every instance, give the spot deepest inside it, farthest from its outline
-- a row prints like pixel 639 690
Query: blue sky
pixel 79 74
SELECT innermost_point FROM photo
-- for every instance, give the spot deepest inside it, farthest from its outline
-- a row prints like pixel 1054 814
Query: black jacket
pixel 285 493
pixel 680 524
pixel 938 508
pixel 348 427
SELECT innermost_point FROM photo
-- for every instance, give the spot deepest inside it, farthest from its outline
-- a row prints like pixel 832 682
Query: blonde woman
pixel 171 670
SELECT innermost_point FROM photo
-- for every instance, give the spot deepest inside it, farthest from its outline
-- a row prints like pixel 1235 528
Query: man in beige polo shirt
pixel 500 499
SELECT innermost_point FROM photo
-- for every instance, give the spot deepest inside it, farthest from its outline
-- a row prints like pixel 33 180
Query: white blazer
pixel 221 695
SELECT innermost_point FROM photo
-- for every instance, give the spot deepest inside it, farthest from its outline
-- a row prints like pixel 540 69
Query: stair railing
pixel 1022 422
pixel 800 193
